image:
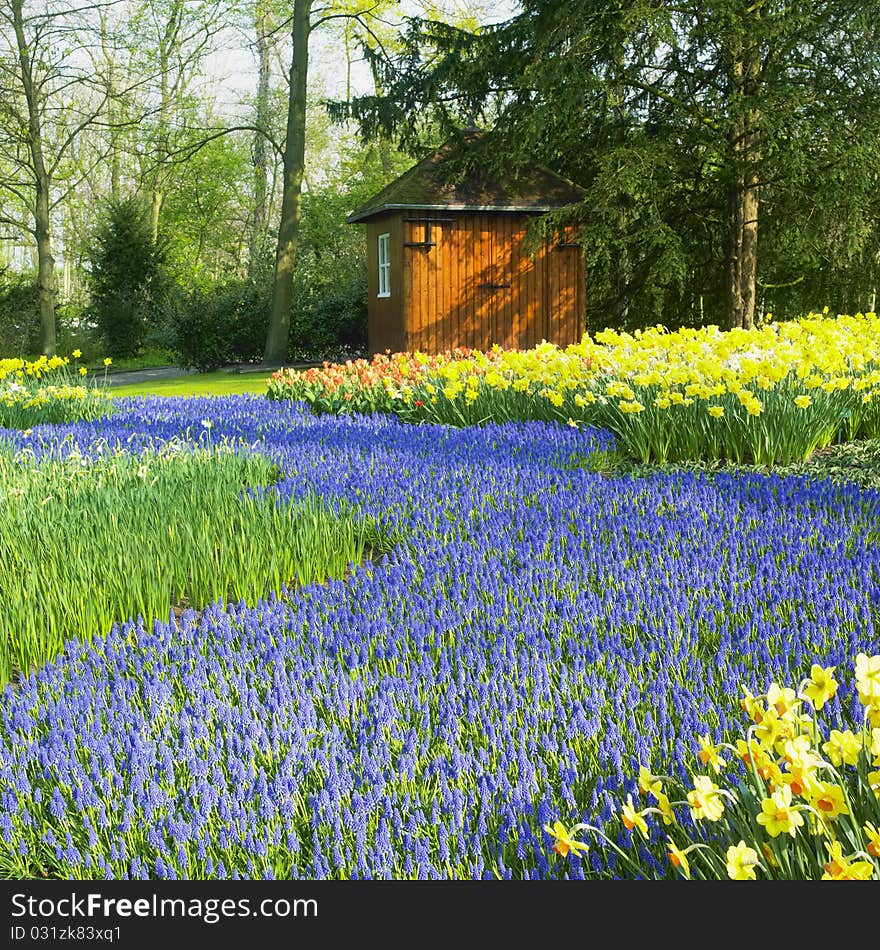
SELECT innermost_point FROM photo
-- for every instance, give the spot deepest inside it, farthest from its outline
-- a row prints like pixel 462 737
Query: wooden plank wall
pixel 438 301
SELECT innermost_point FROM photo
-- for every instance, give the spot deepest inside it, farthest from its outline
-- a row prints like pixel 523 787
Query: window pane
pixel 384 265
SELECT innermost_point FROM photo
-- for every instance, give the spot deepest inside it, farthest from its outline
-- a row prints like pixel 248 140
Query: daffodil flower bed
pixel 768 395
pixel 50 390
pixel 798 801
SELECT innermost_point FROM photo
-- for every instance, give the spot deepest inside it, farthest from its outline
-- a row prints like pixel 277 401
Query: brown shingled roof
pixel 430 185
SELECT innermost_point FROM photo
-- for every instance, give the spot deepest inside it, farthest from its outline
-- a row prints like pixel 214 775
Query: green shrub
pixel 329 319
pixel 207 329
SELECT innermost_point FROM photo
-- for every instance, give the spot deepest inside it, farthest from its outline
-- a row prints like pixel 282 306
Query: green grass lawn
pixel 198 384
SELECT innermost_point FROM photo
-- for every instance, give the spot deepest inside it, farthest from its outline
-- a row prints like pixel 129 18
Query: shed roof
pixel 432 185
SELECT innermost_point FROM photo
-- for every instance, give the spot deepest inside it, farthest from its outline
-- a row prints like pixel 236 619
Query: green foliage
pixel 129 535
pixel 19 313
pixel 128 278
pixel 855 462
pixel 207 329
pixel 203 211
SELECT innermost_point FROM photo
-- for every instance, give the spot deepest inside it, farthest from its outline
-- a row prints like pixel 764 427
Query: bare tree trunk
pixel 157 199
pixel 291 195
pixel 42 218
pixel 45 270
pixel 260 216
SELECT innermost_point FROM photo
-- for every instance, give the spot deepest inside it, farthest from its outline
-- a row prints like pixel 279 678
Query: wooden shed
pixel 449 266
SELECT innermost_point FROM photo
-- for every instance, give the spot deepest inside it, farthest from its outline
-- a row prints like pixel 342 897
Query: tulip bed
pixel 536 633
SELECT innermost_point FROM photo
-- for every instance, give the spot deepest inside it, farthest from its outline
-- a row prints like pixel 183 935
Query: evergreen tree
pixel 128 278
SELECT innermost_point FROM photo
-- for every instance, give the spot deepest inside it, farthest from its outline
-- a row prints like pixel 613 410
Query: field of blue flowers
pixel 537 632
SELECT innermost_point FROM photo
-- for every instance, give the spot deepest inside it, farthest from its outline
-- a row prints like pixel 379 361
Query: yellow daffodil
pixel 665 809
pixel 741 862
pixel 649 783
pixel 872 833
pixel 107 361
pixel 716 412
pixel 829 799
pixel 708 754
pixel 565 842
pixel 632 818
pixel 868 678
pixel 678 858
pixel 769 729
pixel 801 778
pixel 750 705
pixel 778 816
pixel 783 699
pixel 77 354
pixel 840 868
pixel 842 747
pixel 803 402
pixel 822 686
pixel 751 753
pixel 705 800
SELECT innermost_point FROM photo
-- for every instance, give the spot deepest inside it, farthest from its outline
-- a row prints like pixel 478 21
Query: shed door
pixel 496 283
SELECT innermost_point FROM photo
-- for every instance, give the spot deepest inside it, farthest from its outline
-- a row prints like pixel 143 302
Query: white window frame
pixel 384 265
